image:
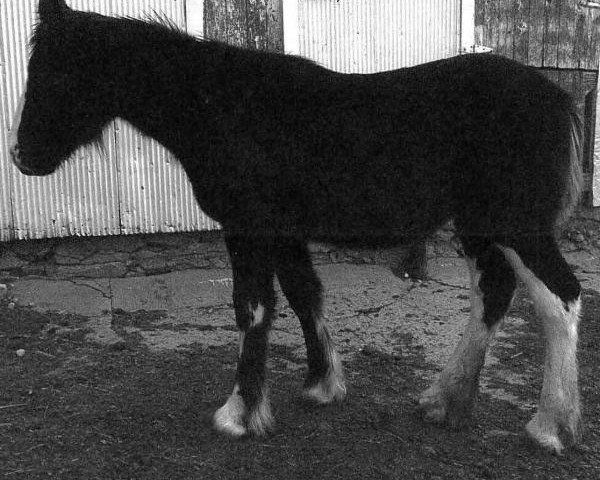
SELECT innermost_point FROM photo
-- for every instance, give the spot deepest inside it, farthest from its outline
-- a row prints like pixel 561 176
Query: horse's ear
pixel 48 9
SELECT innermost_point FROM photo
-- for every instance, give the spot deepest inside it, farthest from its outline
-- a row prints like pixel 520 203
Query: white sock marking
pixel 229 418
pixel 559 407
pixel 258 315
pixel 459 379
pixel 332 387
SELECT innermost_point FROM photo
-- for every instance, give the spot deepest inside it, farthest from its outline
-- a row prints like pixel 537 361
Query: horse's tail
pixel 574 173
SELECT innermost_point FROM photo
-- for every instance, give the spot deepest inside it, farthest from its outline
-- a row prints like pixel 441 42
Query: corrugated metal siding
pixel 364 36
pixel 133 186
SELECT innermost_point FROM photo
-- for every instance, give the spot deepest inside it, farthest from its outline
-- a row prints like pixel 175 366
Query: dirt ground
pixel 123 385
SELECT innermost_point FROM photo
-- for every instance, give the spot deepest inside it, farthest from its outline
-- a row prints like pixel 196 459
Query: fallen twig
pixel 45 354
pixel 15 405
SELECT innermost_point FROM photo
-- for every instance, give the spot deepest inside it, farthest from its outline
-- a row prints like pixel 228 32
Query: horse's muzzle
pixel 17 157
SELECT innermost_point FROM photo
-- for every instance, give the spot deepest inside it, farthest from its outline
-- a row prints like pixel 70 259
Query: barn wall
pixel 246 23
pixel 562 38
pixel 541 33
pixel 365 36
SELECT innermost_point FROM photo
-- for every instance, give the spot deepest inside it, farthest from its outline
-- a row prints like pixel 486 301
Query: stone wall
pixel 139 255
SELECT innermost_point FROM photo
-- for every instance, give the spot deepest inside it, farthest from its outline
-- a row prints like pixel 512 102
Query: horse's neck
pixel 176 102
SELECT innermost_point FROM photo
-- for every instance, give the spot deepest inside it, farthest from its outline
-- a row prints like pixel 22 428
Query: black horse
pixel 282 151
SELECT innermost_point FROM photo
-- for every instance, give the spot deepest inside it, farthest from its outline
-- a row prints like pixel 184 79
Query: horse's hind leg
pixel 301 286
pixel 555 293
pixel 247 410
pixel 451 398
pixel 414 263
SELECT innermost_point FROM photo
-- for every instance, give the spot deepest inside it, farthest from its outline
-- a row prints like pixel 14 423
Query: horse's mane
pixel 156 24
pixel 154 28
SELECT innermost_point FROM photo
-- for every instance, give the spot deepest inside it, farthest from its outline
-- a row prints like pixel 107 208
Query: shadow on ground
pixel 73 409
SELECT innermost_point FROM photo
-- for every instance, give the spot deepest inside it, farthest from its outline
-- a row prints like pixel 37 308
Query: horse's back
pixel 383 156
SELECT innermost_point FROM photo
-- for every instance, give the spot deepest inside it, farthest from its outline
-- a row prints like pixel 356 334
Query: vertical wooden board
pixel 498 23
pixel 596 160
pixel 275 25
pixel 494 26
pixel 508 27
pixel 237 24
pixel 551 33
pixel 215 19
pixel 580 37
pixel 567 56
pixel 589 87
pixel 584 36
pixel 590 38
pixel 537 21
pixel 521 30
pixel 256 17
pixel 248 23
pixel 594 57
pixel 480 22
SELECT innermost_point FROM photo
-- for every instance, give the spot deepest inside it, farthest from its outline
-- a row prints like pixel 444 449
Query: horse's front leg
pixel 302 287
pixel 247 411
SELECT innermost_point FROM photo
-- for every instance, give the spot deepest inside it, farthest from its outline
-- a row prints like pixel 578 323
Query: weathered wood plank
pixel 249 23
pixel 535 48
pixel 237 18
pixel 275 25
pixel 225 20
pixel 215 20
pixel 489 17
pixel 551 30
pixel 591 38
pixel 596 156
pixel 256 17
pixel 521 23
pixel 504 44
pixel 567 56
pixel 589 86
pixel 581 37
pixel 481 22
pixel 508 26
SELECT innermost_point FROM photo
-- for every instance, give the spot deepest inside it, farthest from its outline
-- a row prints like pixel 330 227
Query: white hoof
pixel 229 419
pixel 234 420
pixel 432 405
pixel 330 389
pixel 448 407
pixel 545 435
pixel 544 431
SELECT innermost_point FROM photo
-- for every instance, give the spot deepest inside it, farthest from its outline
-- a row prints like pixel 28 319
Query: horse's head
pixel 59 110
